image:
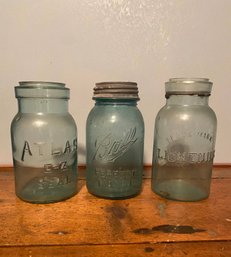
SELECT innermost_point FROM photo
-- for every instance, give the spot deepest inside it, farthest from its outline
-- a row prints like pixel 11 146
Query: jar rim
pixel 41 89
pixel 188 86
pixel 189 80
pixel 33 83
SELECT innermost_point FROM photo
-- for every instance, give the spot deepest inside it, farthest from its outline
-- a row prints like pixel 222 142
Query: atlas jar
pixel 44 143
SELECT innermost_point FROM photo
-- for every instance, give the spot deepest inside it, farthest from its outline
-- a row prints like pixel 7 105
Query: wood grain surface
pixel 146 225
pixel 194 249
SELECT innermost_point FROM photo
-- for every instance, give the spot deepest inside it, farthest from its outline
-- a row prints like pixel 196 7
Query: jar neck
pixel 187 100
pixel 109 101
pixel 42 105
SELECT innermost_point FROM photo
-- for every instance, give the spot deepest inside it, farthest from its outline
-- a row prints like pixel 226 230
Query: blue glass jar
pixel 44 143
pixel 184 141
pixel 114 141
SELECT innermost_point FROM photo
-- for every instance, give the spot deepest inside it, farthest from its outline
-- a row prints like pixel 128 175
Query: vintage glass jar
pixel 114 141
pixel 44 143
pixel 184 141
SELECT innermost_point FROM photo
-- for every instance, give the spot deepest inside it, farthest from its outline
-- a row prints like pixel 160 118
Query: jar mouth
pixel 41 89
pixel 188 86
pixel 189 80
pixel 116 90
pixel 42 84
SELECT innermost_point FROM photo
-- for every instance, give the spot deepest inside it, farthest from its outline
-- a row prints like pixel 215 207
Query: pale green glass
pixel 44 143
pixel 114 143
pixel 184 143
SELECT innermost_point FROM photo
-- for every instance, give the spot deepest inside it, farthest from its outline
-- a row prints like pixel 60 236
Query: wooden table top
pixel 146 225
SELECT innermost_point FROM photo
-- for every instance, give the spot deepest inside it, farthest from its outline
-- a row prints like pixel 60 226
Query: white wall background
pixel 81 42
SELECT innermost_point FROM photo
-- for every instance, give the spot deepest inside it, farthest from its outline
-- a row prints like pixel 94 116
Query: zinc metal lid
pixel 188 86
pixel 41 89
pixel 116 90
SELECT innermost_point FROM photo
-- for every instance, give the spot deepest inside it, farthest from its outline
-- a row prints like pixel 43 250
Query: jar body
pixel 184 142
pixel 114 142
pixel 44 146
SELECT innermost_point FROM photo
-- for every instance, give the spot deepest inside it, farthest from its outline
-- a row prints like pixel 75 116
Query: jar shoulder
pixel 42 121
pixel 176 113
pixel 104 114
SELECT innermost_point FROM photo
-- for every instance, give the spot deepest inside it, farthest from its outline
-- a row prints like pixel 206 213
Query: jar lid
pixel 116 90
pixel 186 86
pixel 41 89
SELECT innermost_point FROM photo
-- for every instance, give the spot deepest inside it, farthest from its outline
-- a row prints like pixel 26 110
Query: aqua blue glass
pixel 114 141
pixel 44 143
pixel 184 141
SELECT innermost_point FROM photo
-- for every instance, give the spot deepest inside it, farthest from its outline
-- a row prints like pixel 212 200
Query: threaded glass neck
pixel 112 101
pixel 42 106
pixel 187 100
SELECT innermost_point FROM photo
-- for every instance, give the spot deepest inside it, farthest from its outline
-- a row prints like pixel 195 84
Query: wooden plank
pixel 219 171
pixel 85 219
pixel 222 172
pixel 194 249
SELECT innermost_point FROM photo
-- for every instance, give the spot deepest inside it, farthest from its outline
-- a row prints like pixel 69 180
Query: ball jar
pixel 114 141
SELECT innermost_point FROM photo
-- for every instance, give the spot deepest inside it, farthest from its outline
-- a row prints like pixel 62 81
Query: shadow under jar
pixel 184 141
pixel 114 141
pixel 44 143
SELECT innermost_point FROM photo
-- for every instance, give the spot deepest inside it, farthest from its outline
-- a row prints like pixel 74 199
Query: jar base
pixel 111 197
pixel 46 201
pixel 179 190
pixel 32 194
